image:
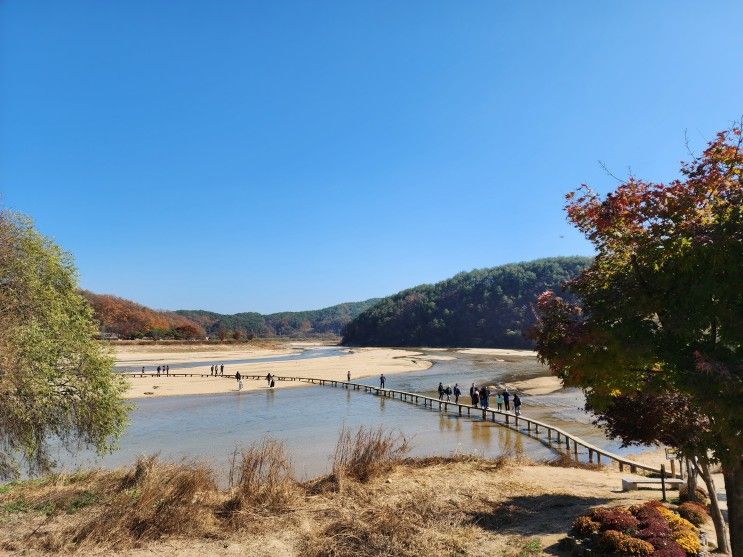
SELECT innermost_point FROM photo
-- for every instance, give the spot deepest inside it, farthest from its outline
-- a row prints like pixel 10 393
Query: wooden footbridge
pixel 551 435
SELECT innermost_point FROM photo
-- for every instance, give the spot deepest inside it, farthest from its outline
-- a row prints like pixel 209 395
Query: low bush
pixel 666 547
pixel 699 496
pixel 694 512
pixel 584 526
pixel 615 542
pixel 654 529
pixel 617 518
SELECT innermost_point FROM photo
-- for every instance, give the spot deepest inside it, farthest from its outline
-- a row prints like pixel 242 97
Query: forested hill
pixel 486 307
pixel 318 322
pixel 129 320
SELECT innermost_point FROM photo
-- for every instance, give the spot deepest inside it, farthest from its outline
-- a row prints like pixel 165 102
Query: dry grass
pixel 389 505
pixel 154 500
pixel 564 460
pixel 260 480
pixel 366 453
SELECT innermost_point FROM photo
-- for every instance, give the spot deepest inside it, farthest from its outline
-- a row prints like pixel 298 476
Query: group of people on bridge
pixel 481 396
pixel 217 369
pixel 270 380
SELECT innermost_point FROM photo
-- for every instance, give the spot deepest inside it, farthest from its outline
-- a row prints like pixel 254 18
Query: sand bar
pixel 361 362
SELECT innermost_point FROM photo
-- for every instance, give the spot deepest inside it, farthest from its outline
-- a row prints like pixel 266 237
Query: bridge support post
pixel 507 419
pixel 590 458
pixel 621 466
pixel 598 458
pixel 484 415
pixel 460 410
pixel 575 449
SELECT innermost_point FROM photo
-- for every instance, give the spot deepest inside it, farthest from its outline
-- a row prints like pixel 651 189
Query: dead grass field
pixel 376 502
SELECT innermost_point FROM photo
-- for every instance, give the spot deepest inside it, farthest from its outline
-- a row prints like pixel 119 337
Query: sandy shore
pixel 361 362
pixel 498 352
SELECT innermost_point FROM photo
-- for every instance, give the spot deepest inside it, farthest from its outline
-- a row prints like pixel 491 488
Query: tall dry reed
pixel 367 452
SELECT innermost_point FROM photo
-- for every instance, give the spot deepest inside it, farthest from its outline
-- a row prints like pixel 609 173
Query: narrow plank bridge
pixel 553 436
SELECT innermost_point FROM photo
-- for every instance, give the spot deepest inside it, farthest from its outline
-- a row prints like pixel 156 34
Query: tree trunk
pixel 721 531
pixel 691 481
pixel 733 475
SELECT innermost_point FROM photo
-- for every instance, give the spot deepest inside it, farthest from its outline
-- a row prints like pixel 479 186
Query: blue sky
pixel 270 156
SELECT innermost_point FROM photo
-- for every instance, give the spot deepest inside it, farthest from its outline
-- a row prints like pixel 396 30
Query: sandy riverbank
pixel 361 362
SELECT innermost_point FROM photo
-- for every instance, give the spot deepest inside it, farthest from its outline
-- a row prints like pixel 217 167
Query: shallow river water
pixel 308 419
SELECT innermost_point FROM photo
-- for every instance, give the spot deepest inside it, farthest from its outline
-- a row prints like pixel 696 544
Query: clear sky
pixel 246 155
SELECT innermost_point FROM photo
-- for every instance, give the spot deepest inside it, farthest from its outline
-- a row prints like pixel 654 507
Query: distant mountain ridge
pixel 482 308
pixel 129 320
pixel 485 307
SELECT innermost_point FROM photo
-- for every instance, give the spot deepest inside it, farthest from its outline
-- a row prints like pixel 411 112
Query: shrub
pixel 693 512
pixel 617 518
pixel 260 478
pixel 671 550
pixel 654 529
pixel 699 496
pixel 618 543
pixel 584 526
pixel 367 453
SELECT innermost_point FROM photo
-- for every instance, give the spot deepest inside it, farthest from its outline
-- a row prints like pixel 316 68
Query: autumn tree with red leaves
pixel 660 310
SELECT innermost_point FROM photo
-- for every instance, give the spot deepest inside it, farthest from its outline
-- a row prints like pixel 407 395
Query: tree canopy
pixel 56 381
pixel 659 313
pixel 485 307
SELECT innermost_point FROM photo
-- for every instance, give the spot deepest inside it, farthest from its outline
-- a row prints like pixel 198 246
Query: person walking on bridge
pixel 499 400
pixel 475 397
pixel 484 395
pixel 441 390
pixel 507 400
pixel 221 369
pixel 269 378
pixel 239 379
pixel 517 404
pixel 348 376
pixel 381 381
pixel 457 392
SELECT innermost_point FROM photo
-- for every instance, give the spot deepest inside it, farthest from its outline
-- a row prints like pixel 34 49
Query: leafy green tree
pixel 660 310
pixel 56 381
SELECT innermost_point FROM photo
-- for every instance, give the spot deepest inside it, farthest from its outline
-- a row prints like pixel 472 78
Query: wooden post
pixel 492 414
pixel 663 480
pixel 673 468
pixel 484 415
pixel 621 466
pixel 460 409
pixel 507 419
pixel 549 435
pixel 590 456
pixel 633 469
pixel 598 458
pixel 575 449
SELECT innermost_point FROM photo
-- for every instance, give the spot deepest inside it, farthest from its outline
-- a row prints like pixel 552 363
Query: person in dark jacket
pixel 441 390
pixel 457 392
pixel 507 400
pixel 517 404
